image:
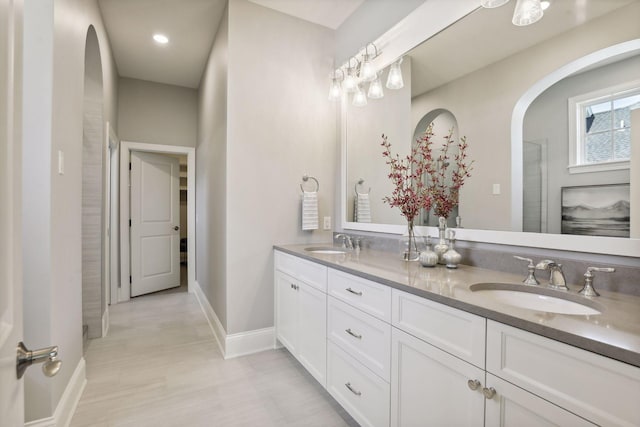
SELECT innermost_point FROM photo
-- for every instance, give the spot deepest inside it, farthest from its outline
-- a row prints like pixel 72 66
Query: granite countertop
pixel 614 333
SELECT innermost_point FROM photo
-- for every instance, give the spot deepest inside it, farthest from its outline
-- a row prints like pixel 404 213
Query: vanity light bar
pixel 349 78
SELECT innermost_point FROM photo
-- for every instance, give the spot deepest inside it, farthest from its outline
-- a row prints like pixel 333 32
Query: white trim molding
pixel 234 345
pixel 68 402
pixel 214 323
pixel 105 322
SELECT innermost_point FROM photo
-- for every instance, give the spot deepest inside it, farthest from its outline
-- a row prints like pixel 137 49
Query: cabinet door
pixel 312 332
pixel 513 406
pixel 430 387
pixel 287 311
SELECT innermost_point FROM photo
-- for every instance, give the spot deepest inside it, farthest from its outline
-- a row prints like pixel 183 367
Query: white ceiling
pixel 328 13
pixel 487 36
pixel 191 26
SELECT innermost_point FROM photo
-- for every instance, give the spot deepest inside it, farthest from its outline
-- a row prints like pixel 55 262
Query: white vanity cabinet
pixel 359 340
pixel 392 358
pixel 301 312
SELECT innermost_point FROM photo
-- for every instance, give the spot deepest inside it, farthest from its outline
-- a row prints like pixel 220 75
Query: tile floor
pixel 160 366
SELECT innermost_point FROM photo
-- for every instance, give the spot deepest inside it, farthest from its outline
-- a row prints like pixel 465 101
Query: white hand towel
pixel 363 207
pixel 310 210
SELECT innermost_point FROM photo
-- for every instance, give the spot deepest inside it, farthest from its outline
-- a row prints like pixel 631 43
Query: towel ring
pixel 360 182
pixel 306 178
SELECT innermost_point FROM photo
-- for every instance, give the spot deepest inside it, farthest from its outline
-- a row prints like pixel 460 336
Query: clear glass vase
pixel 410 244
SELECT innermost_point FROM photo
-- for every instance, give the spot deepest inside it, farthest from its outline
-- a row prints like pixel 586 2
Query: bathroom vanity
pixel 397 344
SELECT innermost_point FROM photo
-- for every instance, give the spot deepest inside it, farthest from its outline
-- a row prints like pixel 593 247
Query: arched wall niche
pixel 93 305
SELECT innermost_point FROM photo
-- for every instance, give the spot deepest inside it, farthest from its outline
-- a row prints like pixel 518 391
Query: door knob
pixel 176 228
pixel 48 356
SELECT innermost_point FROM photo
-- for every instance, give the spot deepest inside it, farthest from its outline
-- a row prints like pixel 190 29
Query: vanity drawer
pixel 363 336
pixel 602 390
pixel 309 272
pixel 363 394
pixel 368 296
pixel 454 331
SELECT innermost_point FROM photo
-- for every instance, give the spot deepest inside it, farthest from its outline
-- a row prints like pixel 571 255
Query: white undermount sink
pixel 538 298
pixel 326 250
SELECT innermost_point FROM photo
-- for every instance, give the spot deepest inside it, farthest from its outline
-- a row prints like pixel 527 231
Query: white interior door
pixel 11 391
pixel 155 223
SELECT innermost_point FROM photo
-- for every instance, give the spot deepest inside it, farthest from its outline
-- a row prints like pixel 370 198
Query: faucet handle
pixel 531 268
pixel 357 243
pixel 588 290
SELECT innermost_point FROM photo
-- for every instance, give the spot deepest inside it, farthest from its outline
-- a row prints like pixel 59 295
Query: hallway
pixel 160 366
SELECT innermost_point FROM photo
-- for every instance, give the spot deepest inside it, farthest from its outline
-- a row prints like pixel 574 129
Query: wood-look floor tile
pixel 160 366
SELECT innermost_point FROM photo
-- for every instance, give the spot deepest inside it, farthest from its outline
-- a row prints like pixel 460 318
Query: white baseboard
pixel 234 345
pixel 68 402
pixel 249 342
pixel 105 322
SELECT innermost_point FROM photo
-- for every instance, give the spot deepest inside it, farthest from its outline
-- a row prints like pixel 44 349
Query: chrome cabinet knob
pixel 473 384
pixel 489 392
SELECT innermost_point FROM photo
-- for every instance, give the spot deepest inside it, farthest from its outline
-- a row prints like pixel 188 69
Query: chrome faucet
pixel 556 276
pixel 347 243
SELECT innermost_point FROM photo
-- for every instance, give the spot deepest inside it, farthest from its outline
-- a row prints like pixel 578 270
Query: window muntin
pixel 606 128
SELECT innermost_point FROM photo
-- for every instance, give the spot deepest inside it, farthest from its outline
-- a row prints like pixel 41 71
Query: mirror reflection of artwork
pixel 596 210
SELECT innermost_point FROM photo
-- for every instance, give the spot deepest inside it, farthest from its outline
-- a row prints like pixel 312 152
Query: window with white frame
pixel 601 130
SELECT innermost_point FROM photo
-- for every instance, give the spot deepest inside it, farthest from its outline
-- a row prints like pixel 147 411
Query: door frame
pixel 126 147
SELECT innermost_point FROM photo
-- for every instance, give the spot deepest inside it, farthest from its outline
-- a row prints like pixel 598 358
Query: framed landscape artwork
pixel 596 210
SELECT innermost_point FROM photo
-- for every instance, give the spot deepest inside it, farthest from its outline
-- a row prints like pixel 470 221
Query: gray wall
pixel 157 113
pixel 279 126
pixel 547 118
pixel 211 179
pixel 52 203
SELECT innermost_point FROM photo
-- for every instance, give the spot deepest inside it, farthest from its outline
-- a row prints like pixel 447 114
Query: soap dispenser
pixel 452 258
pixel 441 247
pixel 428 258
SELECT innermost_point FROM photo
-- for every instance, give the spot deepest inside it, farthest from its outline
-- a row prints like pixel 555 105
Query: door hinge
pixel 130 281
pixel 129 165
pixel 129 223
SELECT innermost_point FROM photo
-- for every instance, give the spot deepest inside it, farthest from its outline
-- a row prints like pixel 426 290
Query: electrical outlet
pixel 327 223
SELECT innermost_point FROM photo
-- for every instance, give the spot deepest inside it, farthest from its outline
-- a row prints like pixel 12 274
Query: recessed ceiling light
pixel 545 4
pixel 161 38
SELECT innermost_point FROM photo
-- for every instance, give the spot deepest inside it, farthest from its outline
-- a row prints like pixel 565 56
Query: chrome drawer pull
pixel 356 392
pixel 473 384
pixel 359 293
pixel 353 334
pixel 489 392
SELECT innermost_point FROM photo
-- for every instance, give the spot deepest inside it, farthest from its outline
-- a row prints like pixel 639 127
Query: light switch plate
pixel 60 162
pixel 496 189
